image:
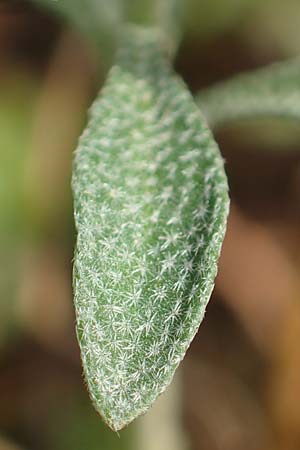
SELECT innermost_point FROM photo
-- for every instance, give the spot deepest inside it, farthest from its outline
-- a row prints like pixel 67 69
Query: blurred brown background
pixel 239 386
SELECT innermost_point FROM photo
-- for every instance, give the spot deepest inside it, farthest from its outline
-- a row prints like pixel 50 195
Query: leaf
pixel 150 197
pixel 208 18
pixel 271 92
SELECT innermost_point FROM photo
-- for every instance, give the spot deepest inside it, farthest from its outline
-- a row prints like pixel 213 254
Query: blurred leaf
pixel 273 91
pixel 60 113
pixel 98 19
pixel 79 427
pixel 17 98
pixel 150 210
pixel 208 17
pixel 274 25
pixel 102 20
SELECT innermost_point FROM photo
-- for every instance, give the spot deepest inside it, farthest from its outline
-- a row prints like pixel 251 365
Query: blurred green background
pixel 239 386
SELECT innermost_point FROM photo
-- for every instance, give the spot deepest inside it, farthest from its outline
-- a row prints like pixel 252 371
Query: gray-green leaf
pixel 151 204
pixel 271 92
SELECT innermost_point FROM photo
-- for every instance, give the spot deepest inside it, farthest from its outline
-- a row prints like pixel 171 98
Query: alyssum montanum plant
pixel 150 204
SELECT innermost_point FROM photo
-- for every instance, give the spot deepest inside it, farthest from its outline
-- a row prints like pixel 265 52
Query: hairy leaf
pixel 273 92
pixel 151 203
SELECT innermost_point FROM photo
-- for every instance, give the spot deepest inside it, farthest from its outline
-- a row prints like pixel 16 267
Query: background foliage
pixel 241 375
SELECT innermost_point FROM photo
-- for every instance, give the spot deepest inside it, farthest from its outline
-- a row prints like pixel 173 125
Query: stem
pixel 161 428
pixel 142 50
pixel 143 13
pixel 163 14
